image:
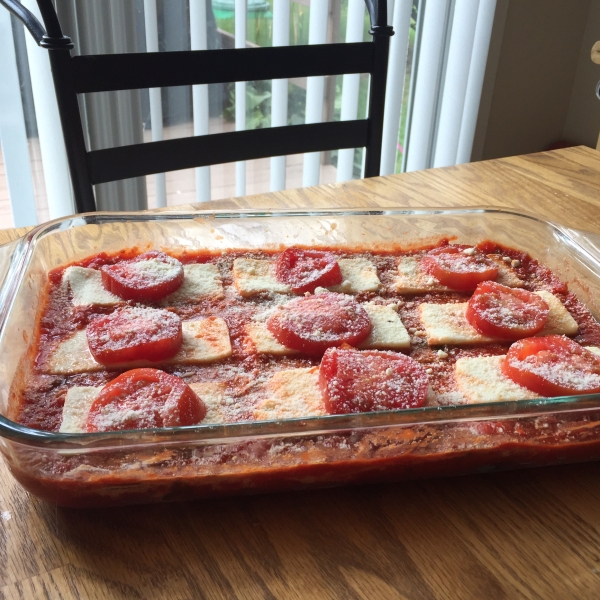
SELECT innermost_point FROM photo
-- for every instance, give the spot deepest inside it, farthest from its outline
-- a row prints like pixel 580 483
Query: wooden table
pixel 532 534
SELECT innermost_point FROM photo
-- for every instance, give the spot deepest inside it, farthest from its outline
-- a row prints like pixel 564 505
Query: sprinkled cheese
pixel 214 397
pixel 388 333
pixel 447 323
pixel 86 286
pixel 506 276
pixel 560 321
pixel 155 270
pixel 292 394
pixel 77 405
pixel 252 276
pixel 265 342
pixel 481 379
pixel 413 279
pixel 358 275
pixel 79 400
pixel 388 330
pixel 204 341
pixel 199 281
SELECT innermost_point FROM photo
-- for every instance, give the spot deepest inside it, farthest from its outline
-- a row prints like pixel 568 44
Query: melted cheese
pixel 292 394
pixel 388 333
pixel 213 394
pixel 79 400
pixel 412 279
pixel 358 275
pixel 86 286
pixel 204 341
pixel 77 405
pixel 252 276
pixel 506 275
pixel 265 342
pixel 199 281
pixel 560 321
pixel 481 379
pixel 447 323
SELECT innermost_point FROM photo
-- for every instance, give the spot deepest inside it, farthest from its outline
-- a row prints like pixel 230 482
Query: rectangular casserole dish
pixel 207 460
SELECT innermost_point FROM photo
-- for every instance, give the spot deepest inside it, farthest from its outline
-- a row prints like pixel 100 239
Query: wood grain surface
pixel 526 534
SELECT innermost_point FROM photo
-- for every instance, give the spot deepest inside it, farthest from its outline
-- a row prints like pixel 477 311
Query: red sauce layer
pixel 162 473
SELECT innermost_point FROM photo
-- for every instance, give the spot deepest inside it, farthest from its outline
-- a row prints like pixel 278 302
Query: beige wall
pixel 529 84
pixel 582 125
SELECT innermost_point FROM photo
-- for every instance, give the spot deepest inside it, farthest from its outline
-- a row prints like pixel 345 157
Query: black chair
pixel 101 73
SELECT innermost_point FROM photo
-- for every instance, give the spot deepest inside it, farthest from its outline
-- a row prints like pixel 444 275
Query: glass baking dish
pixel 207 460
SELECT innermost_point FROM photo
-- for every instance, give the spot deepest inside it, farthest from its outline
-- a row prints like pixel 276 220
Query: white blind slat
pixel 351 86
pixel 481 46
pixel 428 72
pixel 199 41
pixel 315 90
pixel 241 11
pixel 279 89
pixel 454 89
pixel 13 134
pixel 395 85
pixel 156 116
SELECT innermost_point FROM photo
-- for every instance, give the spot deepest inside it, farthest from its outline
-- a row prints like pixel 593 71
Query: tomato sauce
pixel 365 455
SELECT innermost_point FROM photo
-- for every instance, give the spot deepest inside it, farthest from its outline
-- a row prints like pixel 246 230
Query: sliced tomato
pixel 305 270
pixel 459 267
pixel 362 381
pixel 147 278
pixel 553 365
pixel 134 334
pixel 314 323
pixel 504 312
pixel 145 399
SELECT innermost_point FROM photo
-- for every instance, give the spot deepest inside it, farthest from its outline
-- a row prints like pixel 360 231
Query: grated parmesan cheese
pixel 292 394
pixel 413 279
pixel 86 286
pixel 388 333
pixel 481 379
pixel 358 275
pixel 204 341
pixel 252 276
pixel 77 405
pixel 199 281
pixel 447 323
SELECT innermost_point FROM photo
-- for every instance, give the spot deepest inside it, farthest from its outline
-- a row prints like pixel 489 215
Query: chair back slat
pixel 138 160
pixel 111 72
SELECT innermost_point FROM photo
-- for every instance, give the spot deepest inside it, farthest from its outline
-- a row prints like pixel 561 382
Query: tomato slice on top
pixel 134 334
pixel 553 365
pixel 144 399
pixel 362 381
pixel 505 312
pixel 147 278
pixel 305 270
pixel 459 267
pixel 314 323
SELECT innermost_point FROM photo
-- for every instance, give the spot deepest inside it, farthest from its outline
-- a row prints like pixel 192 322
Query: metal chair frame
pixel 75 75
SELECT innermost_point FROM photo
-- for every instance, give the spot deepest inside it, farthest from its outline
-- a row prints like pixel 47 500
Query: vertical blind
pixel 435 76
